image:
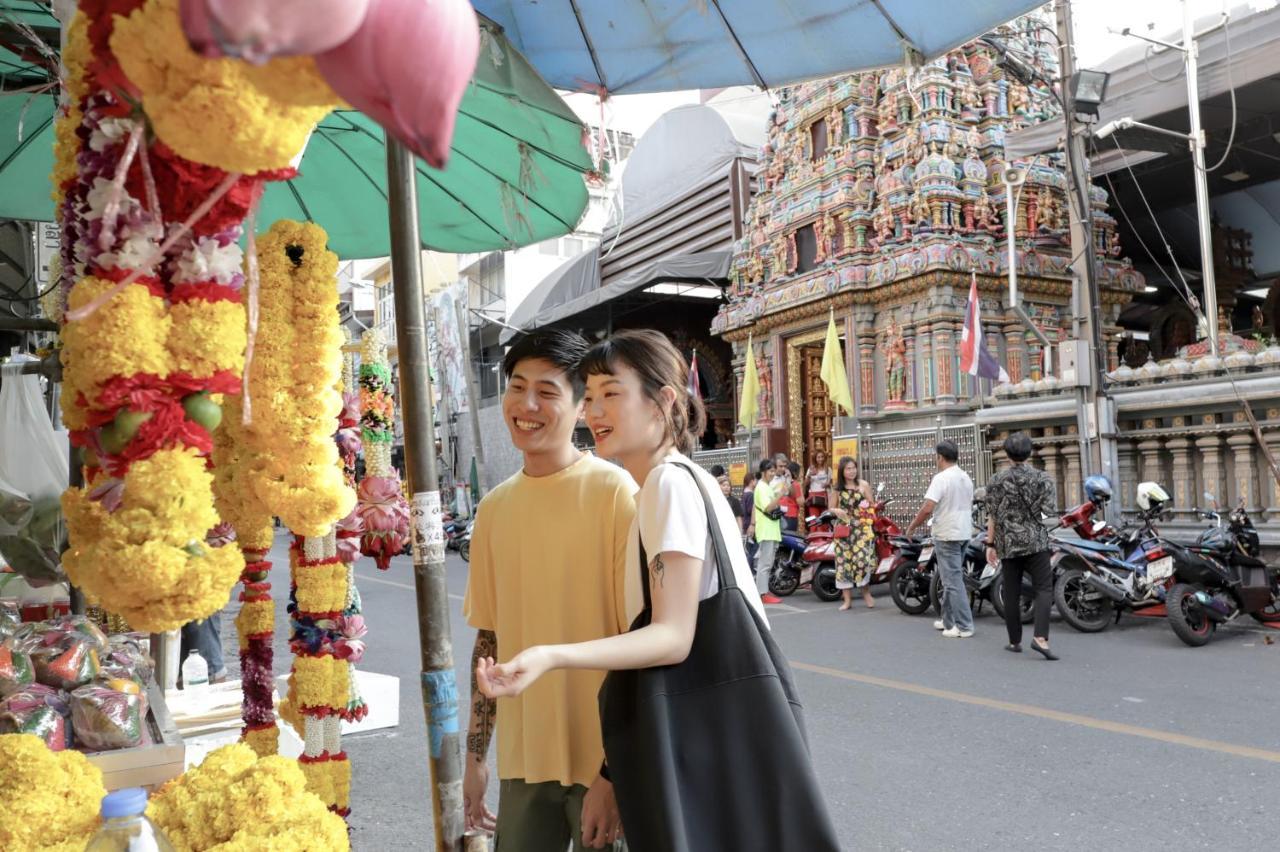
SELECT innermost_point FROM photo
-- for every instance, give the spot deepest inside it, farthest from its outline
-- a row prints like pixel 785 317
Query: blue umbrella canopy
pixel 628 47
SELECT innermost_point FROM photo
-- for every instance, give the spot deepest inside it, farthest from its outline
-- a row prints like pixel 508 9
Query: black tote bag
pixel 712 754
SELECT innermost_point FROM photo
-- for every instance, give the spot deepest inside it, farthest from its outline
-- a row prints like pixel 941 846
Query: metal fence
pixel 707 459
pixel 905 462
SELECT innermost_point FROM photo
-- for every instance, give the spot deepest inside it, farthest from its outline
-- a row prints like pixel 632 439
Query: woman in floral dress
pixel 855 555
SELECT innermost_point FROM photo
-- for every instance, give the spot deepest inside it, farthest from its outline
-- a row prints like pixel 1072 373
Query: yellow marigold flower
pixel 51 799
pixel 236 800
pixel 263 741
pixel 214 111
pixel 256 617
pixel 321 588
pixel 207 337
pixel 125 336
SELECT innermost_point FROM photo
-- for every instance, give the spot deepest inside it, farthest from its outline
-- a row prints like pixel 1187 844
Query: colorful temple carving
pixel 877 198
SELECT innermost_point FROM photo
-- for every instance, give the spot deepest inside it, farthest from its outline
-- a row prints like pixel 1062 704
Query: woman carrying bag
pixel 690 770
pixel 855 540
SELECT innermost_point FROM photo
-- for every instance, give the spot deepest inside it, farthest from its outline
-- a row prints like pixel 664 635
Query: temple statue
pixel 894 349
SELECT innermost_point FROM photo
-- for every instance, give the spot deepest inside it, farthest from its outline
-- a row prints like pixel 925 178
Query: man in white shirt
pixel 950 501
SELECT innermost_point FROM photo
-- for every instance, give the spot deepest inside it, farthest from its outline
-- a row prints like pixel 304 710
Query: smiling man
pixel 548 554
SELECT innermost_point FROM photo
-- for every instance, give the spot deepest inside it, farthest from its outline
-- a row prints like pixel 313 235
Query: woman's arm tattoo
pixel 658 569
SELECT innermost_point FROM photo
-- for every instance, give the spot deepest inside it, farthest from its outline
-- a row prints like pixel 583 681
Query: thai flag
pixel 695 384
pixel 974 357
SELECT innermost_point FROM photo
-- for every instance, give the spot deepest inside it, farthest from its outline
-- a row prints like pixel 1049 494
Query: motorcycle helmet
pixel 1216 539
pixel 1151 496
pixel 1097 489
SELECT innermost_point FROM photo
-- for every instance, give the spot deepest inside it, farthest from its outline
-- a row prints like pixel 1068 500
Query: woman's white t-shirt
pixel 672 517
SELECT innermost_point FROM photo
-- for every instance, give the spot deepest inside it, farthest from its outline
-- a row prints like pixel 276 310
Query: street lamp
pixel 1088 90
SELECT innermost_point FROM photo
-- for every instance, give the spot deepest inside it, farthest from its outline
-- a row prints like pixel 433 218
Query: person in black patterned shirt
pixel 1018 499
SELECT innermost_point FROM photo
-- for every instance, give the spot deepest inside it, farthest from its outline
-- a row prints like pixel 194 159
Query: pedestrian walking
pixel 817 480
pixel 1018 499
pixel 768 520
pixel 548 556
pixel 674 734
pixel 950 501
pixel 855 553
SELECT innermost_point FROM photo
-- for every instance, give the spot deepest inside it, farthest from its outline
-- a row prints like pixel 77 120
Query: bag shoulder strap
pixel 723 566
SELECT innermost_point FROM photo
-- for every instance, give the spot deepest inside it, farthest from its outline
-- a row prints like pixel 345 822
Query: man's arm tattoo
pixel 658 569
pixel 484 710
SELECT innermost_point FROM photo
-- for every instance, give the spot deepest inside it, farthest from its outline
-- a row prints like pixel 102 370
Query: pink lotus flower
pixel 258 31
pixel 407 68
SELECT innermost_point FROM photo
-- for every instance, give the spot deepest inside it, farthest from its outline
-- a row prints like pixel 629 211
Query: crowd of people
pixel 776 497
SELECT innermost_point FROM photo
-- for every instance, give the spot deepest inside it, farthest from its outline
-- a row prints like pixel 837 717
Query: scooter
pixel 807 560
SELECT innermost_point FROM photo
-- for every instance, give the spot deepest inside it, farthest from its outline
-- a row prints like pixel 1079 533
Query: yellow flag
pixel 832 371
pixel 748 406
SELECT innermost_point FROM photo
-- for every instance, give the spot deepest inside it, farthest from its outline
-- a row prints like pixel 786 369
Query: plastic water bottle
pixel 195 675
pixel 125 828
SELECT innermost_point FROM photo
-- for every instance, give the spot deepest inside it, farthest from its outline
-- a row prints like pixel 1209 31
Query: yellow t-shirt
pixel 547 560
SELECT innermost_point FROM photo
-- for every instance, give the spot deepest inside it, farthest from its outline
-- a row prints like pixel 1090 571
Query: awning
pixel 575 286
pixel 633 46
pixel 1142 87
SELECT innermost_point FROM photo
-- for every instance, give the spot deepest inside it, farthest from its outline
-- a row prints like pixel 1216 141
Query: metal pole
pixel 1190 57
pixel 1094 455
pixel 439 684
pixel 482 468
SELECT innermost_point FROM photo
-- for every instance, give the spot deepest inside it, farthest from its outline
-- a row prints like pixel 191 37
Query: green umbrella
pixel 515 176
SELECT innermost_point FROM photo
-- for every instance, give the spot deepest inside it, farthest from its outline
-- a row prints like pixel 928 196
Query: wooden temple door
pixel 817 408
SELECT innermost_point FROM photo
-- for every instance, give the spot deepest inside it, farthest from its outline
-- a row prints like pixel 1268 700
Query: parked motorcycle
pixel 1108 571
pixel 911 573
pixel 1220 578
pixel 807 561
pixel 984 582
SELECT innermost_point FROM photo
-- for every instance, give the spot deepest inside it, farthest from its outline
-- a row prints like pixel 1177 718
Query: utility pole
pixel 1096 414
pixel 482 469
pixel 439 683
pixel 1191 54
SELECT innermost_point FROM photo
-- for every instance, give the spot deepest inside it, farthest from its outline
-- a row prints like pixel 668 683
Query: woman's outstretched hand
pixel 509 679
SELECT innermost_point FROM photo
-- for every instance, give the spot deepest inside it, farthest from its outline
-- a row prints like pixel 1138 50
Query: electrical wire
pixel 1226 29
pixel 34 298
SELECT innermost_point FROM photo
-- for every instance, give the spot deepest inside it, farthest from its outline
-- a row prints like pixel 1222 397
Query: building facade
pixel 879 204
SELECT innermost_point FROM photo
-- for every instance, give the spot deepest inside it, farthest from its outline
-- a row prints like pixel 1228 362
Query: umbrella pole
pixel 439 683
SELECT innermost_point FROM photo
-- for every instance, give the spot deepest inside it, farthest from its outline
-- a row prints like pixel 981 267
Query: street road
pixel 1132 741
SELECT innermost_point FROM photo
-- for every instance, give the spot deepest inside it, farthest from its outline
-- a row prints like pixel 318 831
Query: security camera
pixel 1112 126
pixel 1010 174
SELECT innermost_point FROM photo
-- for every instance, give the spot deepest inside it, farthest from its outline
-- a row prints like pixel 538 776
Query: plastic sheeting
pixel 33 474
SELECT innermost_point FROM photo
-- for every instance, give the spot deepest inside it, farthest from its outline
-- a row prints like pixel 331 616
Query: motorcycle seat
pixel 1095 546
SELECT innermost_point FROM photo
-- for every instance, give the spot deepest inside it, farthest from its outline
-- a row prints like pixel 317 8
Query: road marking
pixel 452 596
pixel 1046 713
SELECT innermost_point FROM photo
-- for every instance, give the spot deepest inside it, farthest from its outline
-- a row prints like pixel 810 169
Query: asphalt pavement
pixel 1132 741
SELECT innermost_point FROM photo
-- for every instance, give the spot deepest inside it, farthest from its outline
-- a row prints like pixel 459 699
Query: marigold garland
pixel 222 112
pixel 236 801
pixel 383 510
pixel 51 799
pixel 145 364
pixel 298 362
